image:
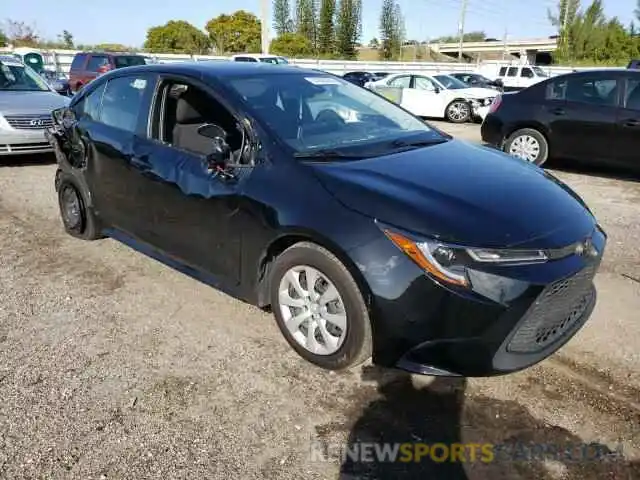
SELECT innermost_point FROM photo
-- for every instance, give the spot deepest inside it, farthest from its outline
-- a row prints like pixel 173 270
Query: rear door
pixel 582 111
pixel 112 171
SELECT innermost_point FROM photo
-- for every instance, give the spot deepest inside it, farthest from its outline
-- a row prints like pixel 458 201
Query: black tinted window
pixel 97 61
pixel 78 61
pixel 513 71
pixel 122 61
pixel 503 70
pixel 122 100
pixel 527 73
pixel 632 100
pixel 595 91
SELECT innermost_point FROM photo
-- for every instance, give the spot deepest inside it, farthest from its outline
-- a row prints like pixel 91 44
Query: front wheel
pixel 78 220
pixel 529 145
pixel 319 308
pixel 458 111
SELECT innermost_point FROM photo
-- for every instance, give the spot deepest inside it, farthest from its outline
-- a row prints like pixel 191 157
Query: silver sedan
pixel 26 102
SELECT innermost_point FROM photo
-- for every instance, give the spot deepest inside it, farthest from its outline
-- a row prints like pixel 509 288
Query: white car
pixel 259 57
pixel 517 77
pixel 438 96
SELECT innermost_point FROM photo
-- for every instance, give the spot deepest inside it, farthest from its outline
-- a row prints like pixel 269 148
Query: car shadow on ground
pixel 445 413
pixel 603 171
pixel 26 160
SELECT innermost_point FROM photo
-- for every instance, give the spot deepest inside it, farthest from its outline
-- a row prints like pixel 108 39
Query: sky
pixel 126 21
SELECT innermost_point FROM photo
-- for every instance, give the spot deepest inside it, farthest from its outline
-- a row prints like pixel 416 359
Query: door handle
pixel 558 111
pixel 631 123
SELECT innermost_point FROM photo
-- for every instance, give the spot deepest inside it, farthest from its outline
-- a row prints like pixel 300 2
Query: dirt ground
pixel 114 366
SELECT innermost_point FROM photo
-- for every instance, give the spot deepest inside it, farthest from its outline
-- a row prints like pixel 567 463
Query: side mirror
pixel 498 82
pixel 220 153
pixel 436 89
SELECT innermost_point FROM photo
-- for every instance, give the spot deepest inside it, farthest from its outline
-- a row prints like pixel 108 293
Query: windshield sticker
pixel 322 80
pixel 139 83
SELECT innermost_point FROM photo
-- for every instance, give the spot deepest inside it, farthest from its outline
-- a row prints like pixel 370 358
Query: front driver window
pixel 423 83
pixel 183 110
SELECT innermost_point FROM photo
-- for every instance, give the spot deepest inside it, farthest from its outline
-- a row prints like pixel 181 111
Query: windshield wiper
pixel 417 143
pixel 329 155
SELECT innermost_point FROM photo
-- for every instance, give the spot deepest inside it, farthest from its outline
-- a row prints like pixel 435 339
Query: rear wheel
pixel 458 111
pixel 529 145
pixel 78 220
pixel 319 307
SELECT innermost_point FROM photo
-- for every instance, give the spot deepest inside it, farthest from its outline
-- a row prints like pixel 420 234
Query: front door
pixel 190 210
pixel 427 97
pixel 627 138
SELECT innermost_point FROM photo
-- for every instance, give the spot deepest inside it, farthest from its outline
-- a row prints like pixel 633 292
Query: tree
pixel 306 24
pixel 3 39
pixel 564 19
pixel 112 47
pixel 391 30
pixel 66 38
pixel 374 43
pixel 239 32
pixel 348 28
pixel 291 45
pixel 282 22
pixel 176 36
pixel 20 34
pixel 636 12
pixel 467 37
pixel 326 27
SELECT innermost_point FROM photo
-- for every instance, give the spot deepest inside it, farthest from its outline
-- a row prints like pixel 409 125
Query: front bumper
pixel 424 327
pixel 22 142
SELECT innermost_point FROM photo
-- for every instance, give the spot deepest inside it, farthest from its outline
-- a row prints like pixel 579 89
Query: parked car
pixel 477 80
pixel 383 237
pixel 87 66
pixel 360 78
pixel 381 75
pixel 58 82
pixel 634 64
pixel 591 116
pixel 438 96
pixel 26 102
pixel 258 57
pixel 518 77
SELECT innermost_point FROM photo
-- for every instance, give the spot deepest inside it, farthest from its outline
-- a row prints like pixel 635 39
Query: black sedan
pixel 590 116
pixel 477 80
pixel 367 231
pixel 360 78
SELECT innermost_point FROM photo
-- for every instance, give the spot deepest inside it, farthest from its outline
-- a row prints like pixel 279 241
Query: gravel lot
pixel 114 366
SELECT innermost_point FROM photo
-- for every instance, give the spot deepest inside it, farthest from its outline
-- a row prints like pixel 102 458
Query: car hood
pixel 476 92
pixel 461 193
pixel 12 103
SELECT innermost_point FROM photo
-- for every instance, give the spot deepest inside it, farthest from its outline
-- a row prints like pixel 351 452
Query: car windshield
pixel 450 83
pixel 313 113
pixel 539 72
pixel 122 61
pixel 15 76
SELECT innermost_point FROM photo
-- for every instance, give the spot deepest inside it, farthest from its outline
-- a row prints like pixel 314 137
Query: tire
pixel 529 145
pixel 458 111
pixel 78 220
pixel 350 346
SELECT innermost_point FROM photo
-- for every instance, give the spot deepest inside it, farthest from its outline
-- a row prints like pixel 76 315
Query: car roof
pixel 256 55
pixel 113 54
pixel 217 69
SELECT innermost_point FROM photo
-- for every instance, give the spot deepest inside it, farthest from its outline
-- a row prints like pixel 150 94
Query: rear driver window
pixel 122 100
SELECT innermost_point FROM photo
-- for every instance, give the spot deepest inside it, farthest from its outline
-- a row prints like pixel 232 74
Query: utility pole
pixel 463 12
pixel 504 43
pixel 264 4
pixel 565 21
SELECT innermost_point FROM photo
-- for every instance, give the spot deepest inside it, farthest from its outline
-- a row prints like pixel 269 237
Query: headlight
pixel 449 263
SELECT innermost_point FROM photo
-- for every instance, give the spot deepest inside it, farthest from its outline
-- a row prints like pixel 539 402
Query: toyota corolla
pixel 378 237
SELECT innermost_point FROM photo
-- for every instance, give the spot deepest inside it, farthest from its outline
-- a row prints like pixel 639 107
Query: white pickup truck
pixel 517 77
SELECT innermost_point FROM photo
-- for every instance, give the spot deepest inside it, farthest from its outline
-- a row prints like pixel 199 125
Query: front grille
pixel 556 310
pixel 40 147
pixel 29 122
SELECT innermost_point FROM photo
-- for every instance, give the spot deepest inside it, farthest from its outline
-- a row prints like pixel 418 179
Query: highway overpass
pixel 525 47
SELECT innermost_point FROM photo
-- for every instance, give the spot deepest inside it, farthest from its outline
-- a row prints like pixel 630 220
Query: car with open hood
pixel 26 102
pixel 437 96
pixel 379 237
